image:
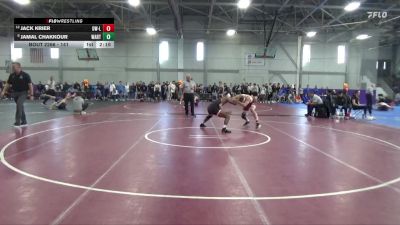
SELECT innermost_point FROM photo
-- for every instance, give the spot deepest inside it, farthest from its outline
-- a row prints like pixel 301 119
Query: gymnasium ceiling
pixel 184 17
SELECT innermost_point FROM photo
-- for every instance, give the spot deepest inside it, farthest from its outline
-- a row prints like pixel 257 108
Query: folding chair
pixel 357 114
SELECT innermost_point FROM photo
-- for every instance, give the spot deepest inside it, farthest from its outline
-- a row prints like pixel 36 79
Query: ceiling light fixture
pixel 230 32
pixel 243 4
pixel 23 2
pixel 362 37
pixel 134 3
pixel 311 34
pixel 352 6
pixel 151 31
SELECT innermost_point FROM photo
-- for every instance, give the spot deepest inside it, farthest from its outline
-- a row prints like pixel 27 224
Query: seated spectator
pixel 297 99
pixel 114 92
pixel 281 95
pixel 331 102
pixel 355 102
pixel 343 104
pixel 121 90
pixel 99 91
pixel 315 102
pixel 290 97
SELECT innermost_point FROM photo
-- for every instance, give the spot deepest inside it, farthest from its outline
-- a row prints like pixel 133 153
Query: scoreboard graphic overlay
pixel 64 33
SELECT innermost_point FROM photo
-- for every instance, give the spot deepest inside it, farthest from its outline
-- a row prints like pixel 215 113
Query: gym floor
pixel 146 163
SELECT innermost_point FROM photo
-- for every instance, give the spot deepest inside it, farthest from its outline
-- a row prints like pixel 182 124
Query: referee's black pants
pixel 189 97
pixel 19 98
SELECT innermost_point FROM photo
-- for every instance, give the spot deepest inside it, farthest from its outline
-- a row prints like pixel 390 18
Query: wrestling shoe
pixel 226 131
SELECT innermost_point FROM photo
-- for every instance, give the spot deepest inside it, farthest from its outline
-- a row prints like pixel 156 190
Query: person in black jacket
pixel 331 102
pixel 342 103
pixel 164 91
pixel 143 89
pixel 132 91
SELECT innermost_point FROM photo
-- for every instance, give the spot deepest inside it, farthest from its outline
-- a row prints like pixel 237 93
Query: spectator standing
pixel 157 91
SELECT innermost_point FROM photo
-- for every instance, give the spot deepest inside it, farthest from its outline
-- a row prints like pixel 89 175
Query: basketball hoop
pixel 269 53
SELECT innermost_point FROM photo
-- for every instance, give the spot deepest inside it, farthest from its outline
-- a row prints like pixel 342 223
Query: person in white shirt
pixel 263 91
pixel 172 87
pixel 51 83
pixel 126 93
pixel 157 91
pixel 314 103
pixel 113 91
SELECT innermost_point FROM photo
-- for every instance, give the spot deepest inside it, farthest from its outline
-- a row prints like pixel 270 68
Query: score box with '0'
pixel 108 27
pixel 108 36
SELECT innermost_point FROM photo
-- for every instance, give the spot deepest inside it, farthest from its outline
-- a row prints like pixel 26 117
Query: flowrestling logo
pixel 379 15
